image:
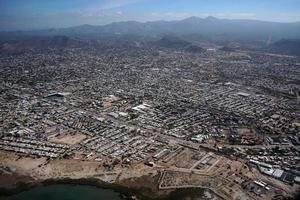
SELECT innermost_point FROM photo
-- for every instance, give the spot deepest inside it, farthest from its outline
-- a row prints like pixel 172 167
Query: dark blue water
pixel 65 192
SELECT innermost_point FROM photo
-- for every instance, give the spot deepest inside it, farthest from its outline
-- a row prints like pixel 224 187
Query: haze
pixel 40 14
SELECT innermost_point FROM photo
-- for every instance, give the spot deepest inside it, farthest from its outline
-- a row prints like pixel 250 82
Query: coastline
pixel 125 193
pixel 18 173
pixel 136 181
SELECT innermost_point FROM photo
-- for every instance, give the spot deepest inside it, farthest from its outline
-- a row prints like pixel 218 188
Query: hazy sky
pixel 39 14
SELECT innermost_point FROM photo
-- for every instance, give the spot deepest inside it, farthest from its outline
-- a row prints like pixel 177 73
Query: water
pixel 65 192
pixel 86 192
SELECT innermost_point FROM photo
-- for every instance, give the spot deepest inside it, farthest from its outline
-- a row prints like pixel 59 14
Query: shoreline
pixel 24 173
pixel 125 193
pixel 137 181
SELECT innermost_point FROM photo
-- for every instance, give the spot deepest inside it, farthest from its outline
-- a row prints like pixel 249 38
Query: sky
pixel 41 14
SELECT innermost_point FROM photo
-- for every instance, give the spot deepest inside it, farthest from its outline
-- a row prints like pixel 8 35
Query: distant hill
pixel 46 42
pixel 286 46
pixel 195 49
pixel 227 49
pixel 209 28
pixel 53 42
pixel 59 42
pixel 172 42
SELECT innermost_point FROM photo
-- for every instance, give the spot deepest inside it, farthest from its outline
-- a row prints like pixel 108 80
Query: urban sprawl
pixel 225 121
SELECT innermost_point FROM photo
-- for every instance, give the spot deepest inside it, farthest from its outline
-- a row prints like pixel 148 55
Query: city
pixel 150 100
pixel 197 120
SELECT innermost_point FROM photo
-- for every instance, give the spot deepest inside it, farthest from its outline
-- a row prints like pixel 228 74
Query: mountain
pixel 172 42
pixel 195 49
pixel 210 28
pixel 286 46
pixel 227 49
pixel 45 42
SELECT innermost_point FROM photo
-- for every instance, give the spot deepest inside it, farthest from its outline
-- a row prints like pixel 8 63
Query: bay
pixel 65 192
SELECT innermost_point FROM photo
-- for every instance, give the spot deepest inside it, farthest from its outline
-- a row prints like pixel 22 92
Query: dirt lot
pixel 243 131
pixel 69 139
pixel 185 159
pixel 41 168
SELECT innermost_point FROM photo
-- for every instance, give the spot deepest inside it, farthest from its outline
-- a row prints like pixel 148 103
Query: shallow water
pixel 65 192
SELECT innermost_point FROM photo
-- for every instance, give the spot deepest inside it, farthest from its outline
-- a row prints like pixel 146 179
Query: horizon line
pixel 122 21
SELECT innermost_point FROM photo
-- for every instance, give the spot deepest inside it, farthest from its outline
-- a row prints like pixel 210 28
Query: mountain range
pixel 209 28
pixel 190 35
